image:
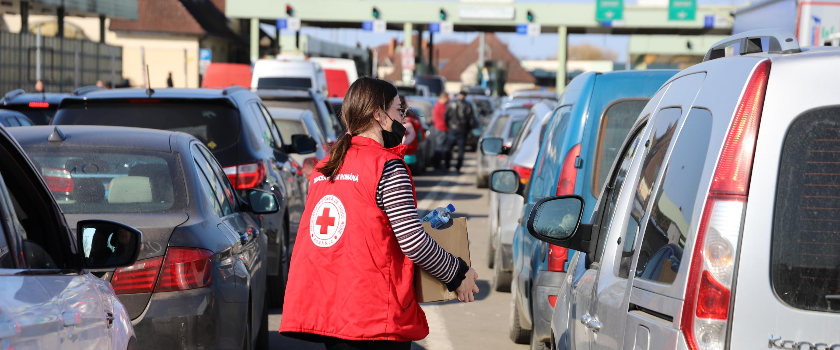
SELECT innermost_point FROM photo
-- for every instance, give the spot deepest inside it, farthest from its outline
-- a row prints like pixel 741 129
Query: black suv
pixel 310 100
pixel 38 107
pixel 237 129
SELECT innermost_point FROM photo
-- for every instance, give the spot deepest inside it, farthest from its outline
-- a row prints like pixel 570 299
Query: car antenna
pixel 149 90
pixel 57 135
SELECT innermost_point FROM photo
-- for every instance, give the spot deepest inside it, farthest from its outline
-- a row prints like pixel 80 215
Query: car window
pixel 556 130
pixel 514 127
pixel 40 116
pixel 617 182
pixel 499 126
pixel 804 262
pixel 526 129
pixel 23 122
pixel 278 137
pixel 213 187
pixel 216 126
pixel 97 180
pixel 615 123
pixel 12 121
pixel 664 127
pixel 264 134
pixel 7 260
pixel 220 176
pixel 284 83
pixel 672 211
pixel 290 127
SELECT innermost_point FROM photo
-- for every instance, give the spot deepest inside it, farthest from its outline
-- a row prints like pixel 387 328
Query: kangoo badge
pixel 326 225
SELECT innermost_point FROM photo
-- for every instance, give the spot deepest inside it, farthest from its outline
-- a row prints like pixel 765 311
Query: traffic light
pixel 442 14
pixel 289 11
pixel 375 13
pixel 530 16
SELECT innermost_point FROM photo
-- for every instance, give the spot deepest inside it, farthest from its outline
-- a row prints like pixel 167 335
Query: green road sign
pixel 609 10
pixel 682 10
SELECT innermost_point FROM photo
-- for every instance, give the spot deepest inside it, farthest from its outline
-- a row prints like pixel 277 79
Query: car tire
pixel 262 335
pixel 481 181
pixel 501 279
pixel 518 334
pixel 538 345
pixel 491 251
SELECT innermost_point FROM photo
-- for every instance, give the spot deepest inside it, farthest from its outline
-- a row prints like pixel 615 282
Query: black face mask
pixel 394 137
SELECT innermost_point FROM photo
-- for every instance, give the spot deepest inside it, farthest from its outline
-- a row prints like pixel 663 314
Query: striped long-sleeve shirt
pixel 395 197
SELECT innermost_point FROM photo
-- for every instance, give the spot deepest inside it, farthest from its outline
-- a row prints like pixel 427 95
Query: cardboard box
pixel 454 239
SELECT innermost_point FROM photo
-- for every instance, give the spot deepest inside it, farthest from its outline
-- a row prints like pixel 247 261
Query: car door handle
pixel 593 324
pixel 9 329
pixel 109 318
pixel 71 319
pixel 584 320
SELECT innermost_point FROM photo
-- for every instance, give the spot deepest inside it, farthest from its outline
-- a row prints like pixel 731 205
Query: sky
pixel 525 48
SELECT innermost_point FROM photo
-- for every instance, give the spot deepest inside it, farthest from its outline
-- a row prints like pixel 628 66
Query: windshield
pixel 214 125
pixel 39 116
pixel 96 180
pixel 434 84
pixel 290 127
pixel 284 83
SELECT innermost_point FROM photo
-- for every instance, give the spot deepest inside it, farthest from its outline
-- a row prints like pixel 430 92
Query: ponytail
pixel 364 97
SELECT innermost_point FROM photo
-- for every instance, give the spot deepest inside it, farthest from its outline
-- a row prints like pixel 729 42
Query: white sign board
pixel 407 58
pixel 486 12
pixel 379 26
pixel 293 23
pixel 447 27
pixel 534 29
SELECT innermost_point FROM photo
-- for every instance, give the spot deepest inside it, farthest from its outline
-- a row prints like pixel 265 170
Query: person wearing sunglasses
pixel 351 282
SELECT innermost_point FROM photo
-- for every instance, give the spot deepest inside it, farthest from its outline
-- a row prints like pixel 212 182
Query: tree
pixel 589 52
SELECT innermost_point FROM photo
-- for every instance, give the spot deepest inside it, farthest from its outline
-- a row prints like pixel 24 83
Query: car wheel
pixel 538 345
pixel 501 279
pixel 517 333
pixel 481 181
pixel 262 335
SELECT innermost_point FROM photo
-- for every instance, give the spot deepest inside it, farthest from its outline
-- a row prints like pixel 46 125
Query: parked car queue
pixel 698 208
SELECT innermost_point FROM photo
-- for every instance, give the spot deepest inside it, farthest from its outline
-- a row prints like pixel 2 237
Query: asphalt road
pixel 482 324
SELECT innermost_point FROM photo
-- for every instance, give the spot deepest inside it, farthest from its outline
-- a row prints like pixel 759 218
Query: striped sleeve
pixel 395 197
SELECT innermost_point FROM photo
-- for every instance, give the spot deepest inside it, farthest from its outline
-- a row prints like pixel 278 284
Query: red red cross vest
pixel 348 277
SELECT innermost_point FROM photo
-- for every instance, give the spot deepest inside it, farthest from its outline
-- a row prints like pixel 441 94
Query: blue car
pixel 595 113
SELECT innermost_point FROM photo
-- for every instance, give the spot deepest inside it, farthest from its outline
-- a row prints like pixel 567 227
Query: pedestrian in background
pixel 39 86
pixel 460 119
pixel 169 80
pixel 351 281
pixel 439 132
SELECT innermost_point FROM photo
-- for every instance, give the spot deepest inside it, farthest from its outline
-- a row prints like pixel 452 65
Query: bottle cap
pixel 451 208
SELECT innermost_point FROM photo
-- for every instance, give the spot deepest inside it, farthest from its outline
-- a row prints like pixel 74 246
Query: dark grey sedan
pixel 199 281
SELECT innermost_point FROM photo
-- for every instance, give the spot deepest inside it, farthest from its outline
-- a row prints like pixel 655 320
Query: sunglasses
pixel 403 111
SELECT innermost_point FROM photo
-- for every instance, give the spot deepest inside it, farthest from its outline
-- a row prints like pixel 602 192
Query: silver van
pixel 719 224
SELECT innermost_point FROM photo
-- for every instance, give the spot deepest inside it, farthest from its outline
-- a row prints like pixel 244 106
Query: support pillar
pixel 24 17
pixel 60 32
pixel 255 39
pixel 432 67
pixel 408 30
pixel 562 34
pixel 102 29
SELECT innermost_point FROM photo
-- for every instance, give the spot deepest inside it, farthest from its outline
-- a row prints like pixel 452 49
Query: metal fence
pixel 65 64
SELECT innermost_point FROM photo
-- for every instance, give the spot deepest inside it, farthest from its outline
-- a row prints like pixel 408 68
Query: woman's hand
pixel 468 288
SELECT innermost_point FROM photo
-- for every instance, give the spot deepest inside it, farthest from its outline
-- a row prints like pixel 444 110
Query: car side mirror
pixel 262 202
pixel 492 146
pixel 506 181
pixel 556 220
pixel 302 144
pixel 108 244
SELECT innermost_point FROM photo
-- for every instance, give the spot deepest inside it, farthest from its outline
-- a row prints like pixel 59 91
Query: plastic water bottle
pixel 439 217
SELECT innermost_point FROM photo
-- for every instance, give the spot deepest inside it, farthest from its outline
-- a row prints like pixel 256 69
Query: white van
pixel 288 74
pixel 340 73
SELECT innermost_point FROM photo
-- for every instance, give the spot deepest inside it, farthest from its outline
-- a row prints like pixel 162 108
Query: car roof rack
pixel 232 89
pixel 14 93
pixel 781 41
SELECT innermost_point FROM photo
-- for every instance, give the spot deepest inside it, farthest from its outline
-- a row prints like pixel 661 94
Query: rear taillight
pixel 568 173
pixel 524 173
pixel 39 105
pixel 552 300
pixel 58 180
pixel 185 268
pixel 245 176
pixel 707 298
pixel 138 278
pixel 557 257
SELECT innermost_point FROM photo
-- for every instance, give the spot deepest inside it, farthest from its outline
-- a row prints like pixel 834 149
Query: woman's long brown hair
pixel 363 99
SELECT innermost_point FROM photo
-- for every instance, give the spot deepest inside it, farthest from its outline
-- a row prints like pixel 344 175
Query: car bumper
pixel 547 284
pixel 191 319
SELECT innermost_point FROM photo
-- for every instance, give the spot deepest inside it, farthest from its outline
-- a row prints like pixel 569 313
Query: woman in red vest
pixel 351 280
